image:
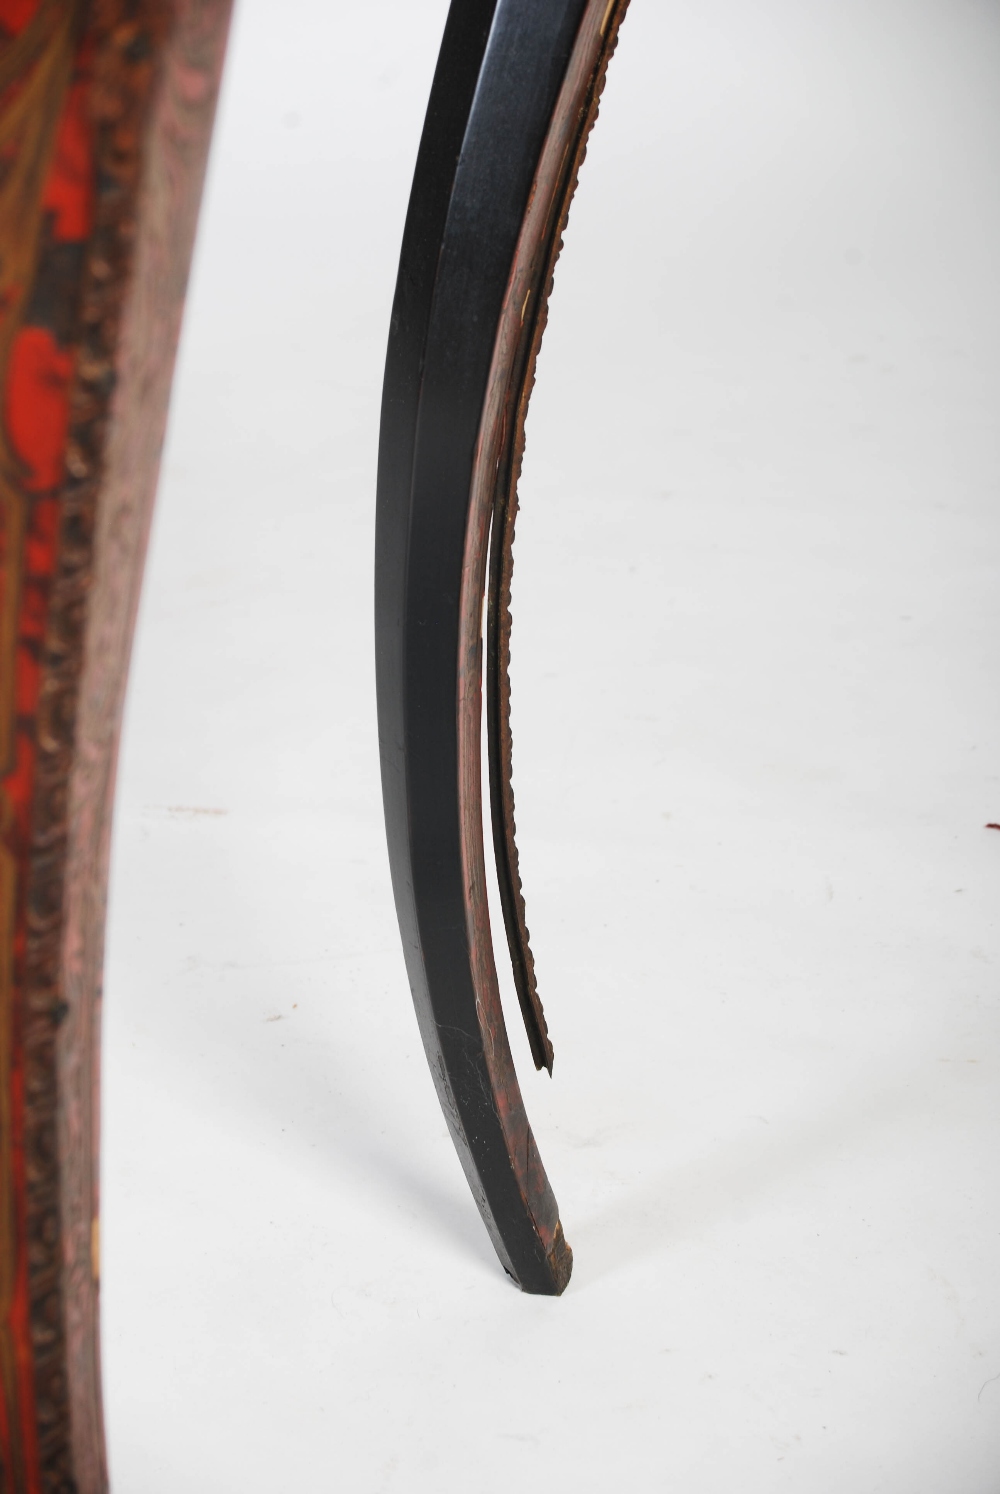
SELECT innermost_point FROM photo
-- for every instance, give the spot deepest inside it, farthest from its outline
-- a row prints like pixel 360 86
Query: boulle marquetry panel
pixel 105 116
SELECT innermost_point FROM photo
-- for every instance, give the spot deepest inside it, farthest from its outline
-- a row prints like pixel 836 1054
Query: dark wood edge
pixel 531 281
pixel 510 103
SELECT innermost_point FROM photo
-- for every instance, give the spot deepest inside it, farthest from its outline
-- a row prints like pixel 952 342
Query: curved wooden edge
pixel 512 381
pixel 492 499
pixel 513 97
pixel 109 109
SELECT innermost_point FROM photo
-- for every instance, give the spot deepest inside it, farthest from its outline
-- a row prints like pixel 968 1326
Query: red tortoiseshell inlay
pixel 46 202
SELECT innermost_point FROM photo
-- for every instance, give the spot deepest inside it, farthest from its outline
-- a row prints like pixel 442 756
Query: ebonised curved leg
pixel 514 97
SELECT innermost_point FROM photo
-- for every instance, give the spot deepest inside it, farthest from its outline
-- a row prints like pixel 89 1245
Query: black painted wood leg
pixel 513 100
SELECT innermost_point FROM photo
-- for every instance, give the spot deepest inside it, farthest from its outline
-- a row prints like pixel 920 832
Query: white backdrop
pixel 756 744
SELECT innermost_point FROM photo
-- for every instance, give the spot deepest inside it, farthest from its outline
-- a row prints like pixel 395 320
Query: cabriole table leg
pixel 513 101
